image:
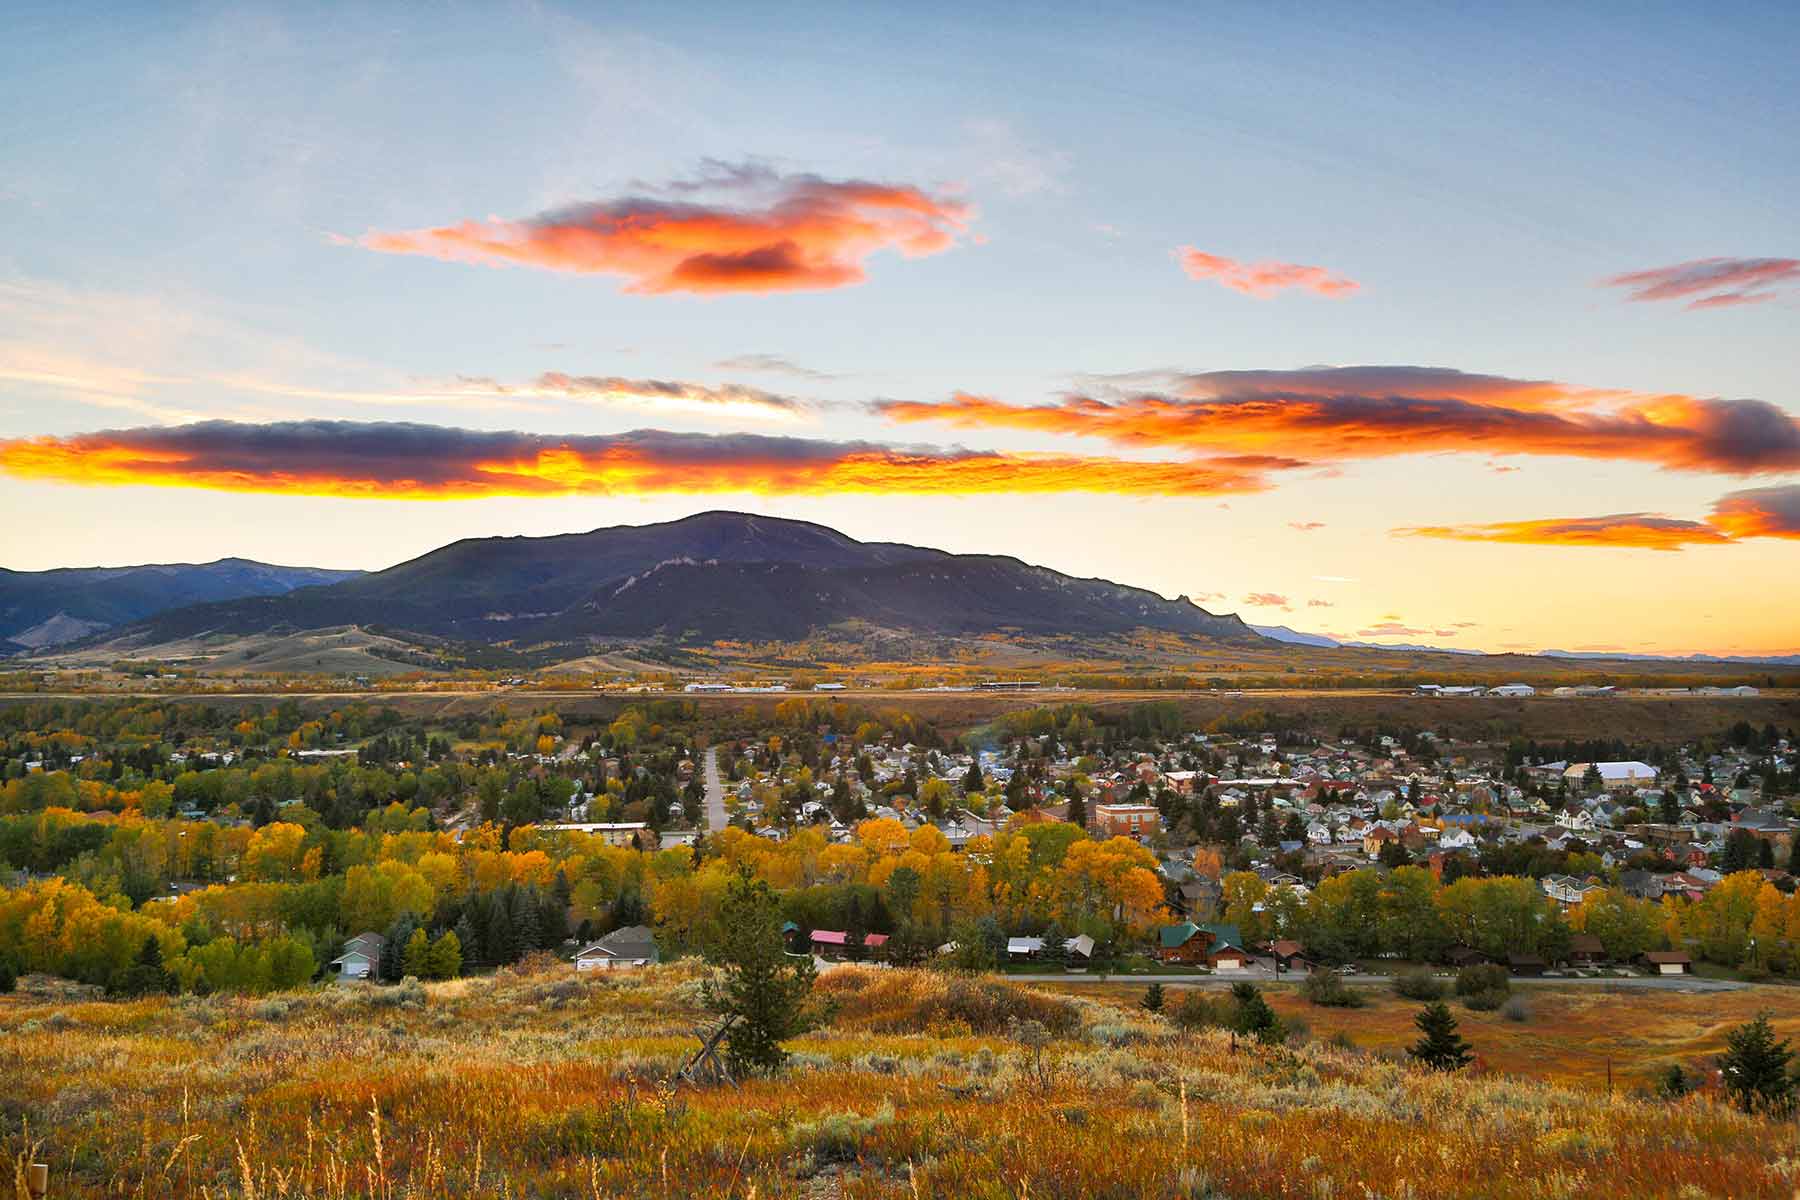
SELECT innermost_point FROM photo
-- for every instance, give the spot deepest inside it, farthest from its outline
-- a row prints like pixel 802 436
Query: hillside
pixel 533 1082
pixel 713 576
pixel 50 608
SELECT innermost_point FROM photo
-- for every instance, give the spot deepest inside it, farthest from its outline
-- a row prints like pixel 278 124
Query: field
pixel 1568 1033
pixel 532 1083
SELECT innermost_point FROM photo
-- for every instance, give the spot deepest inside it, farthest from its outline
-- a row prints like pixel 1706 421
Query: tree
pixel 1056 946
pixel 146 975
pixel 760 985
pixel 1754 1069
pixel 1077 809
pixel 1673 1083
pixel 1590 779
pixel 415 959
pixel 444 961
pixel 1253 1016
pixel 1153 998
pixel 1441 1048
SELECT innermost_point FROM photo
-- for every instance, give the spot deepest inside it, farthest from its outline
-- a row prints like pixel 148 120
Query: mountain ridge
pixel 715 575
pixel 40 609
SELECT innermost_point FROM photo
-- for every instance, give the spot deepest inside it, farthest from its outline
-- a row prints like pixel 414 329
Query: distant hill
pixel 717 575
pixel 39 609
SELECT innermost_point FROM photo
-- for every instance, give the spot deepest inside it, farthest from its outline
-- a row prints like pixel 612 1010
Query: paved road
pixel 1686 983
pixel 716 816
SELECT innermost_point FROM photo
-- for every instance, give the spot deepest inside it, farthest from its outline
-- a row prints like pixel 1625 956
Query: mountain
pixel 1293 637
pixel 49 608
pixel 717 575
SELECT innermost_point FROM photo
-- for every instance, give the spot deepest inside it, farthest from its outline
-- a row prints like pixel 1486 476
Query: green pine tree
pixel 1153 998
pixel 767 991
pixel 1253 1016
pixel 1754 1069
pixel 1441 1048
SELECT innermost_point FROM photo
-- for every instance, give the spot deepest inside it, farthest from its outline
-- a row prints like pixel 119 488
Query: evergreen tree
pixel 1441 1047
pixel 393 948
pixel 1153 998
pixel 760 984
pixel 1253 1016
pixel 1754 1069
pixel 468 944
pixel 1056 946
pixel 527 936
pixel 146 975
pixel 973 783
pixel 1077 809
pixel 553 921
pixel 1673 1083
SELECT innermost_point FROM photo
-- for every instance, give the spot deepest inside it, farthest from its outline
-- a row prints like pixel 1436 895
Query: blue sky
pixel 182 190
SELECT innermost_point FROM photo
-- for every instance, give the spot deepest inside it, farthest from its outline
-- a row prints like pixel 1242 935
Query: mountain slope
pixel 707 577
pixel 48 608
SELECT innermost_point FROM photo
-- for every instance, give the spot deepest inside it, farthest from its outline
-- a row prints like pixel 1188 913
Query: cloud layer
pixel 1771 512
pixel 431 462
pixel 786 233
pixel 1712 282
pixel 1344 413
pixel 1261 279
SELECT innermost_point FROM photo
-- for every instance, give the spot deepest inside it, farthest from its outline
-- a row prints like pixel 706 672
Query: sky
pixel 1401 323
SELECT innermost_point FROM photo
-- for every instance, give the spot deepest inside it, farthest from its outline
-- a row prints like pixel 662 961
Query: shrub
pixel 1516 1009
pixel 1484 1001
pixel 1327 989
pixel 1419 984
pixel 917 1001
pixel 1487 977
pixel 1198 1010
pixel 840 1137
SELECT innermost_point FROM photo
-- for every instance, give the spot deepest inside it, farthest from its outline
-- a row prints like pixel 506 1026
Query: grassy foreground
pixel 531 1083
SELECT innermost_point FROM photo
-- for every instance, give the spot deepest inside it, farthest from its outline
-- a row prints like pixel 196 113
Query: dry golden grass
pixel 1568 1035
pixel 537 1084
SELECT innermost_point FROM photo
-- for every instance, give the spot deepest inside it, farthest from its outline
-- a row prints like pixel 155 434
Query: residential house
pixel 361 958
pixel 631 946
pixel 1220 947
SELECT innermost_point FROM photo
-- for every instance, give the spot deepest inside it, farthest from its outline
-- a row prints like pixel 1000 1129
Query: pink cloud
pixel 1711 282
pixel 1261 279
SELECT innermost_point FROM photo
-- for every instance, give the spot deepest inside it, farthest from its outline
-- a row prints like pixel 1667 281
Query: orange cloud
pixel 1266 600
pixel 1637 531
pixel 429 462
pixel 1261 279
pixel 796 233
pixel 1342 413
pixel 1769 512
pixel 1712 282
pixel 1759 512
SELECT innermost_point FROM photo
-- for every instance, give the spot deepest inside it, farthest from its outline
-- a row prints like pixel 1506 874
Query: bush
pixel 1198 1010
pixel 1516 1009
pixel 1483 988
pixel 1419 984
pixel 1327 989
pixel 841 1137
pixel 1484 1001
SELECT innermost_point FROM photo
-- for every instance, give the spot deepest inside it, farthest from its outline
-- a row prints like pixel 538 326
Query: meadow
pixel 533 1083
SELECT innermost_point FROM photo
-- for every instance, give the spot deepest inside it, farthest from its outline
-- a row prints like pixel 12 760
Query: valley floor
pixel 535 1083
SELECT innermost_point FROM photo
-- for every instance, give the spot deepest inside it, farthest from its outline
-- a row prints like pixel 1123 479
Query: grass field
pixel 1568 1034
pixel 535 1084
